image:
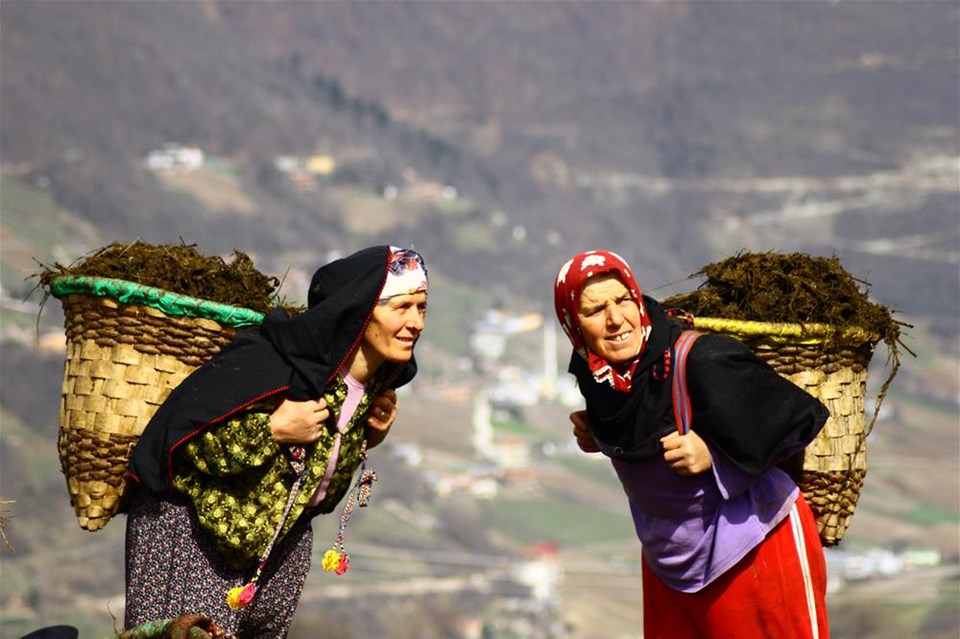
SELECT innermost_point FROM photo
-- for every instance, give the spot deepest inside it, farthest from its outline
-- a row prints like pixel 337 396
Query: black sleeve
pixel 744 409
pixel 246 371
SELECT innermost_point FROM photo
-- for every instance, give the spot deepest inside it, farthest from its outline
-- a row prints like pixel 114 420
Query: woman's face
pixel 395 327
pixel 610 319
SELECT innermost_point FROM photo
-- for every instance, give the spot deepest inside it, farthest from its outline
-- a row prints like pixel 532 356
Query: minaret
pixel 482 439
pixel 549 382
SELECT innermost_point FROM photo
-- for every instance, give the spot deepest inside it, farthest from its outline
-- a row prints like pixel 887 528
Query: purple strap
pixel 682 411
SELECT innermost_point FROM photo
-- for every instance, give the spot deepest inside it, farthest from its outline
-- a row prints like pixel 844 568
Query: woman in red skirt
pixel 730 547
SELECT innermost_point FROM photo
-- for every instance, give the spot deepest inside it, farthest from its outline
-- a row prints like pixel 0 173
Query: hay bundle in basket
pixel 807 318
pixel 129 345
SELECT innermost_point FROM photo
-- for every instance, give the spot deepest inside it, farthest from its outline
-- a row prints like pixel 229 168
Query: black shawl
pixel 293 356
pixel 741 406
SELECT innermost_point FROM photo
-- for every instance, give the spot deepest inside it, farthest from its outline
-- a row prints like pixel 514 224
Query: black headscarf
pixel 741 406
pixel 294 356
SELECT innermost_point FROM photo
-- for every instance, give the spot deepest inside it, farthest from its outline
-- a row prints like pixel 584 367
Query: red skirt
pixel 777 591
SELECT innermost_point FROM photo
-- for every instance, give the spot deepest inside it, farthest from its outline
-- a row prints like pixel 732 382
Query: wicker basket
pixel 128 346
pixel 833 368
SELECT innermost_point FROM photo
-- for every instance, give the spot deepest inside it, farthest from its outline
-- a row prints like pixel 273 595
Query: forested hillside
pixel 585 124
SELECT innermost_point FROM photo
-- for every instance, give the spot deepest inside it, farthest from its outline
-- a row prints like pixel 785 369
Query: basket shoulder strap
pixel 682 412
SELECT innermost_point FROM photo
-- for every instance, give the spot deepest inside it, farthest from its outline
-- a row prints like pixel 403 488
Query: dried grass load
pixel 138 319
pixel 809 319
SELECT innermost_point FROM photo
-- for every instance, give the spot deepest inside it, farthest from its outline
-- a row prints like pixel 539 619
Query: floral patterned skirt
pixel 173 570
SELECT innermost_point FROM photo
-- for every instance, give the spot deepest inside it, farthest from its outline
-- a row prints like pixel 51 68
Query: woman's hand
pixel 686 454
pixel 299 423
pixel 382 414
pixel 582 432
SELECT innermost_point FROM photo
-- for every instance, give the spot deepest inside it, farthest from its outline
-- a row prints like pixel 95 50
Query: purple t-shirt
pixel 695 528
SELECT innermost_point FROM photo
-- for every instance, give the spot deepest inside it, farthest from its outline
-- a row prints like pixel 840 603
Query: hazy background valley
pixel 499 138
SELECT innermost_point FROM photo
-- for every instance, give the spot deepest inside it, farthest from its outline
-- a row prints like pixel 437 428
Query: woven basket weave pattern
pixel 834 465
pixel 108 322
pixel 122 362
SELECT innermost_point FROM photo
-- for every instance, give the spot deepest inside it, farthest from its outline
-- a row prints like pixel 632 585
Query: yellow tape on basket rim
pixel 785 332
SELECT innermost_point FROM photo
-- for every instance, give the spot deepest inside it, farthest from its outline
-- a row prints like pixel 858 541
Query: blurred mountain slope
pixel 583 123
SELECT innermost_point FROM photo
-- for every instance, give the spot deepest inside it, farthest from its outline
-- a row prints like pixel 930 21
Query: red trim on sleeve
pixel 226 415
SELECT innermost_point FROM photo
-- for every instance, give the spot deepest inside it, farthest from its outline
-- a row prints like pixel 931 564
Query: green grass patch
pixel 475 237
pixel 933 404
pixel 514 428
pixel 35 231
pixel 535 520
pixel 451 312
pixel 928 515
pixel 28 211
pixel 456 206
pixel 882 620
pixel 942 617
pixel 30 229
pixel 20 319
pixel 19 623
pixel 589 468
pixel 15 581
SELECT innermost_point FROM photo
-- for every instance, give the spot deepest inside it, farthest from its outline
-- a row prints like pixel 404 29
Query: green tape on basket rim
pixel 166 302
pixel 787 332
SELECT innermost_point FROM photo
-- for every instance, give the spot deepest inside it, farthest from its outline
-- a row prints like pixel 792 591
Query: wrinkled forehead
pixel 601 287
pixel 414 297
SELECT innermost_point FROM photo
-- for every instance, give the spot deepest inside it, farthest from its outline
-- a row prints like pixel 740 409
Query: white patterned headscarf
pixel 407 274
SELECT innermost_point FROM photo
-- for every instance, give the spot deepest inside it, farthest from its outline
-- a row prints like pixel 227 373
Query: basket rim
pixel 165 301
pixel 813 333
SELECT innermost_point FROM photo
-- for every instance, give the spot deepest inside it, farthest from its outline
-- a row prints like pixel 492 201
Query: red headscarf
pixel 572 278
